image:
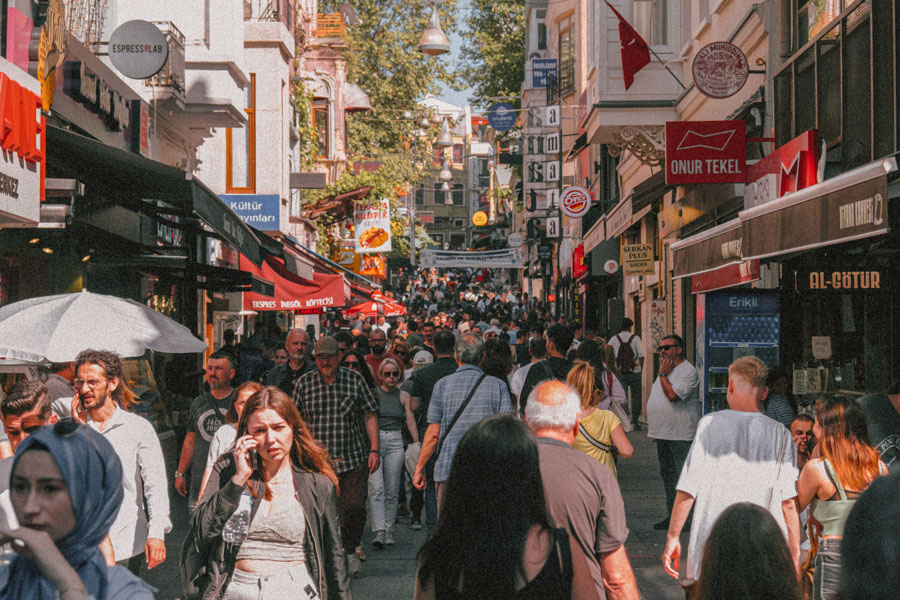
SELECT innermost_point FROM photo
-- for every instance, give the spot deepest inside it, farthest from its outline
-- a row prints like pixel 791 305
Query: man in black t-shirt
pixel 555 366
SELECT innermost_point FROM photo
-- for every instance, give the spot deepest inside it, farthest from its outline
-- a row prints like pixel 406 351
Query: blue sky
pixel 458 98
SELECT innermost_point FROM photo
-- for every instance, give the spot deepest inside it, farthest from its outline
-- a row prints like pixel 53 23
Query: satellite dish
pixel 349 13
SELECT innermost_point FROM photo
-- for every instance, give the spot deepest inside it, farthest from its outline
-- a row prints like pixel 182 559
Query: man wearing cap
pixel 337 406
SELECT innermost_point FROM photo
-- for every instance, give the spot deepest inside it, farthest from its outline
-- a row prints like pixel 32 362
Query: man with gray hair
pixel 458 401
pixel 582 495
pixel 738 455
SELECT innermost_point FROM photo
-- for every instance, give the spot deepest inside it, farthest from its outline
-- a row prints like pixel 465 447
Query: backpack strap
pixel 561 540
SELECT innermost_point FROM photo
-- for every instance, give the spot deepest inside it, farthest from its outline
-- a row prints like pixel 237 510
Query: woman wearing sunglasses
pixel 401 350
pixel 66 490
pixel 393 415
pixel 356 361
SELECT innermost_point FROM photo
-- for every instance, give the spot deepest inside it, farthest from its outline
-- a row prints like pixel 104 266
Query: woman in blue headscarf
pixel 66 489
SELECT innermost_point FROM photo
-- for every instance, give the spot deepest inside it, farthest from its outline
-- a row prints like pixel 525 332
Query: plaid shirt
pixel 334 414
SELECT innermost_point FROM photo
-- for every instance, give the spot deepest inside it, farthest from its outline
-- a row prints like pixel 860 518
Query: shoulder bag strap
pixel 217 410
pixel 565 555
pixel 547 370
pixel 458 414
pixel 591 439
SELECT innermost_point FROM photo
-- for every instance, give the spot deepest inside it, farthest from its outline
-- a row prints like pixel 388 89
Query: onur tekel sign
pixel 706 152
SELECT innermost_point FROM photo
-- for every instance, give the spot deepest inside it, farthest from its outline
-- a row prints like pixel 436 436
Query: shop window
pixel 240 149
pixel 650 21
pixel 320 123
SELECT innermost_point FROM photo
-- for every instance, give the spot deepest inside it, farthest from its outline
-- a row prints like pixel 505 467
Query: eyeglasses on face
pixel 91 383
pixel 667 347
pixel 350 364
pixel 390 374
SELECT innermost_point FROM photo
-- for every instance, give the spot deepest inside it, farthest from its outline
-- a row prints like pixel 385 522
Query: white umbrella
pixel 57 328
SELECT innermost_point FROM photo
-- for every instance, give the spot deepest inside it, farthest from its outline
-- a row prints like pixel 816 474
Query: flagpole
pixel 666 67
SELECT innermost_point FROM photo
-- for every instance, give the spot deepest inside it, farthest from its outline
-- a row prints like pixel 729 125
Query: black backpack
pixel 625 358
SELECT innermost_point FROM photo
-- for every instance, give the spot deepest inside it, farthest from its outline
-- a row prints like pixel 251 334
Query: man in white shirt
pixel 739 455
pixel 673 410
pixel 630 377
pixel 537 347
pixel 101 400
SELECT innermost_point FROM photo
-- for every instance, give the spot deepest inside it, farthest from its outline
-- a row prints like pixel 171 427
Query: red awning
pixel 292 291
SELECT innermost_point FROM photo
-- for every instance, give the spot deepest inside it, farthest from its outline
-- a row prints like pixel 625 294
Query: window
pixel 439 195
pixel 420 195
pixel 240 149
pixel 541 30
pixel 458 154
pixel 566 79
pixel 812 16
pixel 650 21
pixel 320 123
pixel 459 194
pixel 459 223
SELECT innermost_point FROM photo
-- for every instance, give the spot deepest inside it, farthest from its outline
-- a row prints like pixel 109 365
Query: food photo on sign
pixel 372 227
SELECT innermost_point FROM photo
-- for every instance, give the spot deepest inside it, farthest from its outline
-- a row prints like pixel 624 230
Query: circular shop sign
pixel 502 116
pixel 480 218
pixel 514 240
pixel 138 49
pixel 611 267
pixel 720 70
pixel 575 202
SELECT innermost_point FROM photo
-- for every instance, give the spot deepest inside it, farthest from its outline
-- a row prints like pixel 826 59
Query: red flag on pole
pixel 635 51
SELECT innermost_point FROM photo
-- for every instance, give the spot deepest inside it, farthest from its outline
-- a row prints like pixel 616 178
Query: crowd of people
pixel 499 429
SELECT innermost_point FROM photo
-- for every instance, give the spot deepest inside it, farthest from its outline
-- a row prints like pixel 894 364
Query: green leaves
pixel 494 57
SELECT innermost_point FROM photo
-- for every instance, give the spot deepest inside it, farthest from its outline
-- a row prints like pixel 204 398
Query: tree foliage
pixel 494 56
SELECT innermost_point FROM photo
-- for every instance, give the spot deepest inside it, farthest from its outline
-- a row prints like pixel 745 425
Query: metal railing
pixel 329 25
pixel 171 76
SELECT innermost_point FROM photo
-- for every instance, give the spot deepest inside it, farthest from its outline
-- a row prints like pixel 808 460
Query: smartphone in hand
pixel 253 459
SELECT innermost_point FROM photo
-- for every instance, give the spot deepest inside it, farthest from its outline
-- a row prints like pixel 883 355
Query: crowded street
pixel 449 299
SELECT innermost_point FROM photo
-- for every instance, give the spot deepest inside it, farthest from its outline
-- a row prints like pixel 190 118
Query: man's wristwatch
pixel 373 451
pixel 177 475
pixel 663 375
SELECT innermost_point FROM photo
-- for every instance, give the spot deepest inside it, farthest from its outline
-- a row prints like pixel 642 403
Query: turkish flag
pixel 635 51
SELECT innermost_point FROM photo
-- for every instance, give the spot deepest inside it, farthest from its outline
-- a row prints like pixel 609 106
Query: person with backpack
pixel 629 360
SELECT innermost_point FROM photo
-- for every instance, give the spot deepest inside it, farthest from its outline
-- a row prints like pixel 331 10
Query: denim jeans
pixel 385 481
pixel 827 576
pixel 671 454
pixel 632 382
pixel 430 507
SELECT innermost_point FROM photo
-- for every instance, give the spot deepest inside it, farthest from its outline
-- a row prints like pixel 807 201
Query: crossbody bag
pixel 456 416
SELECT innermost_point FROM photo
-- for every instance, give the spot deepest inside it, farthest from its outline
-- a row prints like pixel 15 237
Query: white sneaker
pixel 378 542
pixel 389 538
pixel 353 564
pixel 360 553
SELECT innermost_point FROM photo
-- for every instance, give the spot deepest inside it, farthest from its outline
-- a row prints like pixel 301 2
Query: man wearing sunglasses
pixel 673 411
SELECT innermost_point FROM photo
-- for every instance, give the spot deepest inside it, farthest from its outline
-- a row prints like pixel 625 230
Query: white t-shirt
pixel 667 420
pixel 221 442
pixel 636 347
pixel 517 381
pixel 735 458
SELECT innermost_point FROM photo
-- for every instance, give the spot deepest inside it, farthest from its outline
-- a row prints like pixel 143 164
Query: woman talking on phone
pixel 269 511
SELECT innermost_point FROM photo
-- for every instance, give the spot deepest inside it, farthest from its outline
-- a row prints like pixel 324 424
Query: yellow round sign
pixel 480 218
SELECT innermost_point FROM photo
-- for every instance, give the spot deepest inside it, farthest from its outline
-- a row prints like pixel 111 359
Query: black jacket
pixel 325 557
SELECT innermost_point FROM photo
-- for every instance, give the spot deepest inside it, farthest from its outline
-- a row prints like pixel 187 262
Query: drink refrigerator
pixel 731 325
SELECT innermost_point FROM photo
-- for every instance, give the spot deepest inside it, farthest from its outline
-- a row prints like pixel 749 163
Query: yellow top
pixel 599 424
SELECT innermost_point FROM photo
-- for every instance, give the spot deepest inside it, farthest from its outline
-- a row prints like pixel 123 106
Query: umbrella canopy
pixel 374 309
pixel 57 328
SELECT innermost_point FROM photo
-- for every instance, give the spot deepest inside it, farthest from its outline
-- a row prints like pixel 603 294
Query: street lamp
pixel 434 42
pixel 444 139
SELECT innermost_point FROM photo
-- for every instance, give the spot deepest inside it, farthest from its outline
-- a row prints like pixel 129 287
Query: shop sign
pixel 540 69
pixel 258 210
pixel 510 258
pixel 578 268
pixel 502 116
pixel 23 139
pixel 426 217
pixel 610 267
pixel 637 259
pixel 595 235
pixel 789 168
pixel 96 94
pixel 706 152
pixel 619 219
pixel 839 280
pixel 52 51
pixel 514 239
pixel 138 49
pixel 308 311
pixel 726 277
pixel 372 226
pixel 575 202
pixel 545 252
pixel 479 218
pixel 372 265
pixel 720 70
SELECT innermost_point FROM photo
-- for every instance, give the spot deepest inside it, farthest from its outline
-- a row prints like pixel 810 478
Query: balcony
pixel 329 25
pixel 169 82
